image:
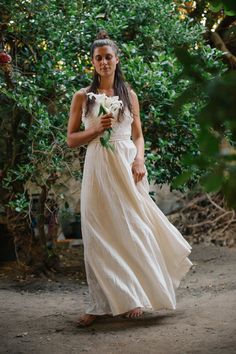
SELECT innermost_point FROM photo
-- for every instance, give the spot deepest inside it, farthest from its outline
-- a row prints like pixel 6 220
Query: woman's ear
pixel 117 60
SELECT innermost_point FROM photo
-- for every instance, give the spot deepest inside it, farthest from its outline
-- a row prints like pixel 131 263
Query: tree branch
pixel 219 43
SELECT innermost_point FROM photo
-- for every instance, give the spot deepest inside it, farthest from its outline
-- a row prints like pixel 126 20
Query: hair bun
pixel 102 34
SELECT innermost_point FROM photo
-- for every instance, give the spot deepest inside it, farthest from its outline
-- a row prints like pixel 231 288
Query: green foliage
pixel 49 42
pixel 35 93
pixel 229 6
pixel 20 204
pixel 216 124
pixel 41 36
pixel 147 33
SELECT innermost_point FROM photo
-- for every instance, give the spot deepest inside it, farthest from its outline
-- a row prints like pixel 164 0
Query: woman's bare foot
pixel 136 312
pixel 86 320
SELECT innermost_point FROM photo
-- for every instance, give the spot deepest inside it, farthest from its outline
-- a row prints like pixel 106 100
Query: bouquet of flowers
pixel 107 105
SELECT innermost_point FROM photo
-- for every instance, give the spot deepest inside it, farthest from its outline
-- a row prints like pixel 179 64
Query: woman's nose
pixel 104 61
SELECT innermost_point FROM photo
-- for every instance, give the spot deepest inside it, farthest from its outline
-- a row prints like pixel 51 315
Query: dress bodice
pixel 121 127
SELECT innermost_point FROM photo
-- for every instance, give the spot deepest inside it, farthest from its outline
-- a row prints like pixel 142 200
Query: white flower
pixel 106 105
pixel 100 98
pixel 110 104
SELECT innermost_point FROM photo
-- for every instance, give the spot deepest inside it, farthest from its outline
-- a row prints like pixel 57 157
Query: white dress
pixel 134 257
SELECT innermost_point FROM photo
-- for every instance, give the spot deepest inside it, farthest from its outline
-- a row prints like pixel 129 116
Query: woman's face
pixel 104 60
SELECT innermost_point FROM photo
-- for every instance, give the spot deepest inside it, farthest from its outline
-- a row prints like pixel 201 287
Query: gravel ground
pixel 38 316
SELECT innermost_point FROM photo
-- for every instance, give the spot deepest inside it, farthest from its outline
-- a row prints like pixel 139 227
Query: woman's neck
pixel 106 85
pixel 108 92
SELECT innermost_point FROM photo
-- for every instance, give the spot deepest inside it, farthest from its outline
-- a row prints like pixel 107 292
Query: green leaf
pixel 209 143
pixel 213 181
pixel 105 139
pixel 182 179
pixel 102 111
pixel 229 6
pixel 111 147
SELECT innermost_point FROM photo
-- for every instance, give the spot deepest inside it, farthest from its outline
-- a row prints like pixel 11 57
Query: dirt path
pixel 39 318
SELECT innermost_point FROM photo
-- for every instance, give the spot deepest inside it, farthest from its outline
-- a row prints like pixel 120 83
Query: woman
pixel 134 257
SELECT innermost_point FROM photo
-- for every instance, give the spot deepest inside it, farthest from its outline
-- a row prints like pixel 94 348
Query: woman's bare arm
pixel 137 137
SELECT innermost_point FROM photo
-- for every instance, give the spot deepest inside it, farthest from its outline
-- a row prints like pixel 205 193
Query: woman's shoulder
pixel 80 96
pixel 130 90
pixel 81 93
pixel 133 95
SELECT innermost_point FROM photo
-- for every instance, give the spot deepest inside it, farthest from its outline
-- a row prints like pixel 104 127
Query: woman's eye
pixel 107 57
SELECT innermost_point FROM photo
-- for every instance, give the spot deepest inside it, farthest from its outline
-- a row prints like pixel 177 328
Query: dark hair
pixel 121 88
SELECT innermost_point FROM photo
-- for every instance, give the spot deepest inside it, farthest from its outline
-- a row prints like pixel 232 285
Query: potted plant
pixel 76 226
pixel 70 222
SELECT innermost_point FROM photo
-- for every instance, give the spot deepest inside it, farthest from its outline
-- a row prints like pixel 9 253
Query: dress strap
pixel 84 103
pixel 84 90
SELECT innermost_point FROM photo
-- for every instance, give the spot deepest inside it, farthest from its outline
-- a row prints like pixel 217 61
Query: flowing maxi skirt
pixel 134 256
